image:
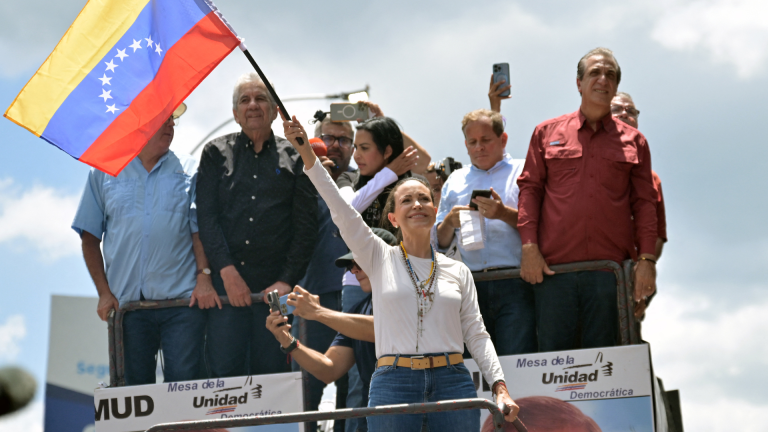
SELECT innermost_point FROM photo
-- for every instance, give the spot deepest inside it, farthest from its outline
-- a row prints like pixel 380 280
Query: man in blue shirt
pixel 506 305
pixel 147 219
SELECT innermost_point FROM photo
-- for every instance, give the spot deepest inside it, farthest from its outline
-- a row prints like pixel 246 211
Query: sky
pixel 698 71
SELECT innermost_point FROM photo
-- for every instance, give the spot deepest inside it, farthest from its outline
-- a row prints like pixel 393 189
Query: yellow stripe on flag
pixel 95 31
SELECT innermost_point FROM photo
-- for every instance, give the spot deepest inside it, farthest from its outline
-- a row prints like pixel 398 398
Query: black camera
pixel 445 167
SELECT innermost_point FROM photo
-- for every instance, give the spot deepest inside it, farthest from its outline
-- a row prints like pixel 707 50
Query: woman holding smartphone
pixel 425 307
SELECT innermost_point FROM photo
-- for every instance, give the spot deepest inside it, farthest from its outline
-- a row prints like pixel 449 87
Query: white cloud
pixel 29 419
pixel 730 31
pixel 13 331
pixel 39 218
pixel 717 359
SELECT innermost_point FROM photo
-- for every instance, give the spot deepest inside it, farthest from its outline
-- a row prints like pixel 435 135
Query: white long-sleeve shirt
pixel 455 315
pixel 362 199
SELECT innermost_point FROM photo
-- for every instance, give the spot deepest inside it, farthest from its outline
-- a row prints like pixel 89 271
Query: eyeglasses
pixel 352 265
pixel 619 109
pixel 344 142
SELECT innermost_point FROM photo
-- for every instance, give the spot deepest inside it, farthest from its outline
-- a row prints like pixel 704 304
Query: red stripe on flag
pixel 186 64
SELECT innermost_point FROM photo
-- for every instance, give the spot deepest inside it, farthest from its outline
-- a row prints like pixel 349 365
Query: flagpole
pixel 268 86
pixel 244 49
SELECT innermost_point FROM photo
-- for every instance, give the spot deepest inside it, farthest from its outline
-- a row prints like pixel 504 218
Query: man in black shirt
pixel 257 216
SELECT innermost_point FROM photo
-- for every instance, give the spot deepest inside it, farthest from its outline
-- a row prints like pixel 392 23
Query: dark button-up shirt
pixel 580 190
pixel 322 274
pixel 256 211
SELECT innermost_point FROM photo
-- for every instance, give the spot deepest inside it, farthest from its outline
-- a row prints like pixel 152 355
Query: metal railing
pixel 115 331
pixel 628 329
pixel 417 408
pixel 628 334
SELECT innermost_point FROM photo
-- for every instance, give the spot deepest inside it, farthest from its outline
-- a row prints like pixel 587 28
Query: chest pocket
pixel 564 162
pixel 618 161
pixel 171 192
pixel 120 198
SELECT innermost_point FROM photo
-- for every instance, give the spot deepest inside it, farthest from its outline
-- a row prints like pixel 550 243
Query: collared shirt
pixel 580 190
pixel 502 242
pixel 365 352
pixel 146 220
pixel 257 211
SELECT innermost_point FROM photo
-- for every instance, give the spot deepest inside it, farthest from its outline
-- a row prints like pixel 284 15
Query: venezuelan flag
pixel 118 73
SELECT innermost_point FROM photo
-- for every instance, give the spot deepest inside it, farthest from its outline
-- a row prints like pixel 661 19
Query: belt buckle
pixel 415 367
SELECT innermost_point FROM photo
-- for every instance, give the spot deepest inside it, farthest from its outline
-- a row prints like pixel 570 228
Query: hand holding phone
pixel 501 72
pixel 476 193
pixel 344 112
pixel 285 308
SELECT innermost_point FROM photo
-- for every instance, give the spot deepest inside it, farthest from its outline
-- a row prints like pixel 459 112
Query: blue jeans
pixel 238 342
pixel 400 385
pixel 178 331
pixel 352 295
pixel 567 302
pixel 319 338
pixel 509 313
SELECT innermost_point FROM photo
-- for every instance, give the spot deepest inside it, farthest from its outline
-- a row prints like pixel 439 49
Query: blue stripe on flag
pixel 83 116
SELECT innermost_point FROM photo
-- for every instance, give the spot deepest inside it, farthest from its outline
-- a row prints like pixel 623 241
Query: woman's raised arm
pixel 368 248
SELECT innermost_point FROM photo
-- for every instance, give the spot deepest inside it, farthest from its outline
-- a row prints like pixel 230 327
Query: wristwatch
pixel 205 271
pixel 293 345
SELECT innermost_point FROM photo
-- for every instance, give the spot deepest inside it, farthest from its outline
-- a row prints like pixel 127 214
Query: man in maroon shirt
pixel 624 109
pixel 587 177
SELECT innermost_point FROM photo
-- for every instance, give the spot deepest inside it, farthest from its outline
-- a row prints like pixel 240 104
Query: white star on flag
pixel 121 54
pixel 157 49
pixel 136 45
pixel 105 80
pixel 111 65
pixel 105 94
pixel 149 41
pixel 112 109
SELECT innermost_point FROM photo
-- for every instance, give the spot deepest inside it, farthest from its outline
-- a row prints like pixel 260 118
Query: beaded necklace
pixel 425 295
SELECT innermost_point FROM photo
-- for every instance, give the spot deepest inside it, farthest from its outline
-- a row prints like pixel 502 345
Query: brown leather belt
pixel 420 362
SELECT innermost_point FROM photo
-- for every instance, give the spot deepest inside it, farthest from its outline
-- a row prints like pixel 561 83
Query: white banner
pixel 138 408
pixel 610 386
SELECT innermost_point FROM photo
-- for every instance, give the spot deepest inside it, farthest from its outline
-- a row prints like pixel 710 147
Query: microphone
pixel 318 146
pixel 17 389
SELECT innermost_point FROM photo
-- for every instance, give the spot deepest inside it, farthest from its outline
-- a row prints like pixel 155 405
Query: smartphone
pixel 501 72
pixel 343 112
pixel 285 308
pixel 478 193
pixel 273 299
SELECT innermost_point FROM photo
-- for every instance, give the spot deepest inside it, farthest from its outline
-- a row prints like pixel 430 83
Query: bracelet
pixel 647 259
pixel 498 383
pixel 293 345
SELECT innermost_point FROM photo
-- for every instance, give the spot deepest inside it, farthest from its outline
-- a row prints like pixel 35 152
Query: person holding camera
pixel 506 305
pixel 425 306
pixel 353 344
